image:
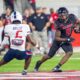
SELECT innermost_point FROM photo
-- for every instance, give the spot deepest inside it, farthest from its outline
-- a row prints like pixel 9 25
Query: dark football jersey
pixel 66 27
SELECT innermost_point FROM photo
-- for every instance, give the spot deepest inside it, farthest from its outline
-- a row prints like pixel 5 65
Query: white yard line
pixel 27 78
pixel 39 75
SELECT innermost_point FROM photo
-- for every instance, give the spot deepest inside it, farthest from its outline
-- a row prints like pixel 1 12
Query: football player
pixel 16 34
pixel 65 24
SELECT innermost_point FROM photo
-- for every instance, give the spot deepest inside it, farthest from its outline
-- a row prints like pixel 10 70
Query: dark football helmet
pixel 62 13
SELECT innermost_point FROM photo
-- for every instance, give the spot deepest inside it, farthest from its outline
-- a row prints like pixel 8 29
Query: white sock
pixel 25 70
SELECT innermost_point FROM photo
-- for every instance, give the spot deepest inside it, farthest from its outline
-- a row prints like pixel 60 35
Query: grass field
pixel 17 65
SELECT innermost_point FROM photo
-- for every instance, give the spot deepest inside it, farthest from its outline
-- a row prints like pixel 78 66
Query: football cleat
pixel 56 70
pixel 37 66
pixel 24 72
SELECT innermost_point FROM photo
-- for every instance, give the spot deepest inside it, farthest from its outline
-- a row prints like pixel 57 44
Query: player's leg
pixel 27 62
pixel 7 57
pixel 39 62
pixel 27 57
pixel 26 65
pixel 68 50
pixel 51 53
pixel 28 45
pixel 2 62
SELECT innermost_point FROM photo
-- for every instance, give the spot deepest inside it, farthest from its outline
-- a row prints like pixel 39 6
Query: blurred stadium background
pixel 73 7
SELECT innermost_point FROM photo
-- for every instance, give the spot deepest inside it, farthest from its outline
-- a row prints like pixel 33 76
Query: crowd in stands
pixel 41 23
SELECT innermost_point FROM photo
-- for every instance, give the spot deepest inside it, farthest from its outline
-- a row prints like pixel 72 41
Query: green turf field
pixel 17 65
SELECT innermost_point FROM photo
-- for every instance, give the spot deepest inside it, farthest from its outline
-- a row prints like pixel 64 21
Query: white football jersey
pixel 17 34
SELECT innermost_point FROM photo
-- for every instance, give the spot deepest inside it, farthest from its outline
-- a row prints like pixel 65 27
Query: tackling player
pixel 16 34
pixel 65 24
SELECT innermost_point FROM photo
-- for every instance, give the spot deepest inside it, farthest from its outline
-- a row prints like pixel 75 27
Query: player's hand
pixel 77 30
pixel 70 39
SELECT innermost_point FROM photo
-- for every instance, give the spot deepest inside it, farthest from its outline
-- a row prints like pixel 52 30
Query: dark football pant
pixel 67 47
pixel 11 54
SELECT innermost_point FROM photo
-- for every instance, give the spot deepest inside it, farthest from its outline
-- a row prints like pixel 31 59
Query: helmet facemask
pixel 62 13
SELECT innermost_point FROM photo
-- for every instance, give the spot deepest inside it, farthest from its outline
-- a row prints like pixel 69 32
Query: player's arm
pixel 58 36
pixel 76 23
pixel 4 42
pixel 30 39
pixel 6 38
pixel 77 26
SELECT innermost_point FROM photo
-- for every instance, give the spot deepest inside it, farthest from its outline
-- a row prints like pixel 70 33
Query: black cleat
pixel 37 66
pixel 56 70
pixel 24 73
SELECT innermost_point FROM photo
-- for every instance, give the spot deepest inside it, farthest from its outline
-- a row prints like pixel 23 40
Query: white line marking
pixel 30 78
pixel 39 75
pixel 43 74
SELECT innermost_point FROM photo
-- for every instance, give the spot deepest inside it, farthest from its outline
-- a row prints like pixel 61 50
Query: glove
pixel 70 39
pixel 77 28
pixel 67 40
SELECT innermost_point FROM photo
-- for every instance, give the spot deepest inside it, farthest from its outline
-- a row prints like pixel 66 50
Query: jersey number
pixel 19 41
pixel 17 34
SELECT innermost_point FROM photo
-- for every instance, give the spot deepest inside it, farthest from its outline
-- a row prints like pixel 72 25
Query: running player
pixel 65 24
pixel 16 34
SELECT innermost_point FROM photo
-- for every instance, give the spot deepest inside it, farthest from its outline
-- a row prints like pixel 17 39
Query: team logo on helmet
pixel 16 16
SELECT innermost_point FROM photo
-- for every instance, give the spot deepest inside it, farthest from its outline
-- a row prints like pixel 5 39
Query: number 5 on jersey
pixel 17 34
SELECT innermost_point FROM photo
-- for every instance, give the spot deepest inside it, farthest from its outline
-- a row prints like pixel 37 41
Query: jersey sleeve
pixel 73 18
pixel 6 31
